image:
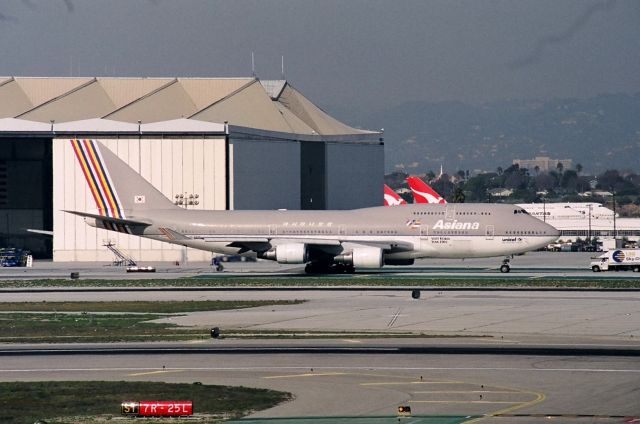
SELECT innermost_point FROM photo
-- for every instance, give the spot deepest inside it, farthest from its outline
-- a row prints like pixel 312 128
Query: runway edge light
pixel 404 410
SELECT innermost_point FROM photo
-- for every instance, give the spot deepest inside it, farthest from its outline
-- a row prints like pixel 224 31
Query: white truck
pixel 617 260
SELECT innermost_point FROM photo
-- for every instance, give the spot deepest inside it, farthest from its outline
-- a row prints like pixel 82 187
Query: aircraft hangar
pixel 208 143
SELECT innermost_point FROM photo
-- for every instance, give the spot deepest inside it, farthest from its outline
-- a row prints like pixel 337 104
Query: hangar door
pixel 26 194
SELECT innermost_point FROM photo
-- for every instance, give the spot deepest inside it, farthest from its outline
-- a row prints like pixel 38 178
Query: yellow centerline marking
pixel 539 397
pixel 153 372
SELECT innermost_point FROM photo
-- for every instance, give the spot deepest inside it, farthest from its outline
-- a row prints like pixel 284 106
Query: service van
pixel 617 260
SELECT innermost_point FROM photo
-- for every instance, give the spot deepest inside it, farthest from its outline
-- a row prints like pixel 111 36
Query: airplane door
pixel 424 231
pixel 450 213
pixel 273 230
pixel 490 231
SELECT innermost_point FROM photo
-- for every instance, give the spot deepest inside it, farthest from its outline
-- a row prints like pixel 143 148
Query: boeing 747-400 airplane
pixel 324 240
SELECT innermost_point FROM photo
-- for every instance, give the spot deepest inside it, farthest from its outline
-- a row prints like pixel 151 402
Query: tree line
pixel 533 186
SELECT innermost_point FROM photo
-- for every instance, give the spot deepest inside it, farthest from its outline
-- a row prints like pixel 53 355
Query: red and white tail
pixel 391 198
pixel 422 193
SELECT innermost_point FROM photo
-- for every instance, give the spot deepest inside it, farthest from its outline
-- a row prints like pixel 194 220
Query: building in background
pixel 235 143
pixel 543 163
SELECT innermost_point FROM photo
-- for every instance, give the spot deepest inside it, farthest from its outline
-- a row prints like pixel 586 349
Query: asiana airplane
pixel 324 240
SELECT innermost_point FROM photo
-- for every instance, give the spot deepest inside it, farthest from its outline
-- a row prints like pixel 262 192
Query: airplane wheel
pixel 505 268
pixel 350 269
pixel 636 269
pixel 595 268
pixel 415 294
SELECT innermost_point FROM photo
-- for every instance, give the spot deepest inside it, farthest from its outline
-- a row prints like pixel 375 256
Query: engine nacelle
pixel 294 253
pixel 361 257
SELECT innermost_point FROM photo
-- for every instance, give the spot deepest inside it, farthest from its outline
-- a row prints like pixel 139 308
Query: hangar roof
pixel 246 102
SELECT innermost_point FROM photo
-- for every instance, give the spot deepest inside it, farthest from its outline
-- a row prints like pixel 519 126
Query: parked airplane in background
pixel 567 211
pixel 391 198
pixel 326 241
pixel 422 193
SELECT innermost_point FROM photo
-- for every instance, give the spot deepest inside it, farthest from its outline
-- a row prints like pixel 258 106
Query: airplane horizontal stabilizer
pixel 121 221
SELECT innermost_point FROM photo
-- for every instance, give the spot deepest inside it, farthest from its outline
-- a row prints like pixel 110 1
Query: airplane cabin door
pixel 450 213
pixel 490 231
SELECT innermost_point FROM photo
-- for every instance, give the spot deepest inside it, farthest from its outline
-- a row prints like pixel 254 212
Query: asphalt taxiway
pixel 375 384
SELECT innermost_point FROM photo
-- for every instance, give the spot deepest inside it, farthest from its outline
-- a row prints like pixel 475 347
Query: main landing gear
pixel 505 267
pixel 328 268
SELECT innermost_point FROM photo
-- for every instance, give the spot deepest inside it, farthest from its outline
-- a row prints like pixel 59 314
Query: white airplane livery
pixel 324 240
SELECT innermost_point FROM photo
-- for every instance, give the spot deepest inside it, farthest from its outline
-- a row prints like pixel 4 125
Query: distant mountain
pixel 600 133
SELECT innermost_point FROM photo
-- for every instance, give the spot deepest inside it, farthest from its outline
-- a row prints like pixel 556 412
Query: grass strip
pixel 99 401
pixel 71 322
pixel 29 327
pixel 89 328
pixel 426 281
pixel 159 307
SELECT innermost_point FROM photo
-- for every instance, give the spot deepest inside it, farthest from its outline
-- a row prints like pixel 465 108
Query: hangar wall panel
pixel 266 174
pixel 173 166
pixel 355 175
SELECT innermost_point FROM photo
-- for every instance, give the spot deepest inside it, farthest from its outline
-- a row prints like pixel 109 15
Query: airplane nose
pixel 553 232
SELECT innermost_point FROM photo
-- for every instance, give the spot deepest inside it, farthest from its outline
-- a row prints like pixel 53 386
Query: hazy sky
pixel 343 54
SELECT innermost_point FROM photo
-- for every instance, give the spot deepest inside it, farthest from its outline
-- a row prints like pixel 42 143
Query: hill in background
pixel 600 133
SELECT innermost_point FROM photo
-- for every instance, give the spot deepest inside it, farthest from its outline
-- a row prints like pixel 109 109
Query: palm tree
pixel 578 168
pixel 560 167
pixel 458 196
pixel 537 169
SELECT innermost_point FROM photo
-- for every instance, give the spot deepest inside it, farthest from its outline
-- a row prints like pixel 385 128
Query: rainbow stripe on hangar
pixel 100 184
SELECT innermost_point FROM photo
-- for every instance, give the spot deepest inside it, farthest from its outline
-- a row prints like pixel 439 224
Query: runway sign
pixel 173 408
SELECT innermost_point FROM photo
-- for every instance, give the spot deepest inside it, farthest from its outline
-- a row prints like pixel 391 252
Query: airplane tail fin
pixel 116 188
pixel 391 198
pixel 422 192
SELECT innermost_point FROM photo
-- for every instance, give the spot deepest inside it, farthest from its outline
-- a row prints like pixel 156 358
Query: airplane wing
pixel 43 232
pixel 121 221
pixel 390 246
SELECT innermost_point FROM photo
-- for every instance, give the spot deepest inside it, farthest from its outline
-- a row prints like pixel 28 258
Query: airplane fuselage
pixel 413 231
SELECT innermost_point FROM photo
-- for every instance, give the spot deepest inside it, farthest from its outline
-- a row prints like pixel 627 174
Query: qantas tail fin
pixel 422 193
pixel 116 188
pixel 391 198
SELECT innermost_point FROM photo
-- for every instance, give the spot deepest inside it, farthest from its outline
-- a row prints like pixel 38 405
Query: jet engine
pixel 294 253
pixel 361 257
